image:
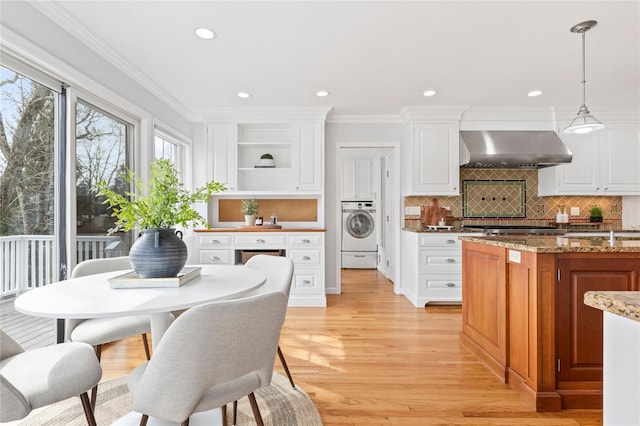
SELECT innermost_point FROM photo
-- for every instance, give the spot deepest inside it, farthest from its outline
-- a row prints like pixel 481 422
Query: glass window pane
pixel 27 183
pixel 101 155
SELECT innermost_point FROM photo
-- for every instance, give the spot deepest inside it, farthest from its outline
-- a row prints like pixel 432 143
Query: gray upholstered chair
pixel 279 272
pixel 210 355
pixel 98 331
pixel 43 376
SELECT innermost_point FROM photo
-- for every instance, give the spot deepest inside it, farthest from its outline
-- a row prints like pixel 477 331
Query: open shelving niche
pixel 256 139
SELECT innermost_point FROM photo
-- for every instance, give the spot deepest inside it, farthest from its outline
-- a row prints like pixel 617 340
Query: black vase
pixel 158 253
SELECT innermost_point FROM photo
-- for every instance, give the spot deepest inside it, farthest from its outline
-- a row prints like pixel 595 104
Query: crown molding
pixel 602 114
pixel 359 119
pixel 265 114
pixel 64 19
pixel 444 113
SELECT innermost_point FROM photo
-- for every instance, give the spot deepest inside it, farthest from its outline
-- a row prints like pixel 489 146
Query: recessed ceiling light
pixel 534 93
pixel 322 93
pixel 205 33
pixel 429 93
pixel 243 95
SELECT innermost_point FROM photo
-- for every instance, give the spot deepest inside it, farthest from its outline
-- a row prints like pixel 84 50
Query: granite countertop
pixel 261 229
pixel 561 244
pixel 441 231
pixel 623 303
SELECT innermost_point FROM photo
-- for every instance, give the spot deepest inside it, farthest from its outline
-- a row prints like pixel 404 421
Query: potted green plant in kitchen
pixel 155 208
pixel 595 214
pixel 249 208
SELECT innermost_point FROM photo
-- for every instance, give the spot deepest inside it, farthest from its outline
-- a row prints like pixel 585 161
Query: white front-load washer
pixel 359 245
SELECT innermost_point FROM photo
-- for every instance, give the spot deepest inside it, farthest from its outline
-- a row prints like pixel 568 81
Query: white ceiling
pixel 374 57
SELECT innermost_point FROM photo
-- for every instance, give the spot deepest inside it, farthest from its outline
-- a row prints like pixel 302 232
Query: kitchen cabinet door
pixel 221 142
pixel 436 159
pixel 308 147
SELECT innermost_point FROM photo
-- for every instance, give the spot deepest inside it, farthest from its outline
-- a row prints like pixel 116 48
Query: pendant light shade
pixel 584 121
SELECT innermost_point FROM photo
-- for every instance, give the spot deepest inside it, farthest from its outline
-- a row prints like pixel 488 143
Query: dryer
pixel 359 245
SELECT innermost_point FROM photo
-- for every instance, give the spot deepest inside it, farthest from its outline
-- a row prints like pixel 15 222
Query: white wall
pixel 335 134
pixel 27 22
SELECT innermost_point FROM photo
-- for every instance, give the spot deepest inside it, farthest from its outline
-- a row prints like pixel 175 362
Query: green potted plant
pixel 266 159
pixel 154 208
pixel 595 214
pixel 249 208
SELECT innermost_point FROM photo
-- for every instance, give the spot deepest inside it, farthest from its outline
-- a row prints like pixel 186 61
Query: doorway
pixel 384 194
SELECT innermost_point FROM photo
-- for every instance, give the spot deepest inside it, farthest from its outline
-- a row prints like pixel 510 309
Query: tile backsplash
pixel 503 198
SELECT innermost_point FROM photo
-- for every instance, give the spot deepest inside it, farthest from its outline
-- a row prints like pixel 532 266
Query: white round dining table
pixel 91 296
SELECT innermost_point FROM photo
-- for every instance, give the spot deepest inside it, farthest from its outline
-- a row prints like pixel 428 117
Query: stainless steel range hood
pixel 512 149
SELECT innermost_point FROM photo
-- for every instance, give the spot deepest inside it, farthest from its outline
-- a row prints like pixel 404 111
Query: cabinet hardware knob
pixel 305 258
pixel 451 241
pixel 260 240
pixel 451 261
pixel 451 285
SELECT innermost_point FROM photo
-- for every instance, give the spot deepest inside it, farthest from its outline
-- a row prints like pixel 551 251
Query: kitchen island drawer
pixel 305 257
pixel 217 257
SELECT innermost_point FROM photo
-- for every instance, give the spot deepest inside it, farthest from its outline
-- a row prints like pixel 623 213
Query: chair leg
pixel 88 410
pixel 145 342
pixel 223 409
pixel 286 368
pixel 94 391
pixel 255 409
pixel 235 412
pixel 143 420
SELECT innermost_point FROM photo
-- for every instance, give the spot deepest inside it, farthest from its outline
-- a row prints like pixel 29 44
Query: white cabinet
pixel 235 151
pixel 431 267
pixel 221 164
pixel 305 249
pixel 308 148
pixel 604 162
pixel 434 158
pixel 357 180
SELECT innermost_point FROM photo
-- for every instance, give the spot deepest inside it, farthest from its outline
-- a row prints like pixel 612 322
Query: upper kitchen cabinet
pixel 605 162
pixel 357 181
pixel 239 152
pixel 434 158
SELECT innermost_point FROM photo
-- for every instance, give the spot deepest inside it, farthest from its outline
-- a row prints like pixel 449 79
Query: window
pixel 164 148
pixel 28 174
pixel 102 142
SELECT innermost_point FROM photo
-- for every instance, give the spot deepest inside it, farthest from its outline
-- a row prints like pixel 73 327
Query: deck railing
pixel 30 261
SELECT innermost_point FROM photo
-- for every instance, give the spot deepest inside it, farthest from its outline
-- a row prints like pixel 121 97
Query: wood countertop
pixel 623 303
pixel 560 244
pixel 260 229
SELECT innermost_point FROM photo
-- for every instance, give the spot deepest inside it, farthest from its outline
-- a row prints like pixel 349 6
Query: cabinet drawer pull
pixel 260 240
pixel 306 281
pixel 214 258
pixel 451 260
pixel 214 242
pixel 305 258
pixel 451 241
pixel 451 285
pixel 305 241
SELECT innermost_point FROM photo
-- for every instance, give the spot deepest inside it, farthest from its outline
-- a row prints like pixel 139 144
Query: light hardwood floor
pixel 371 358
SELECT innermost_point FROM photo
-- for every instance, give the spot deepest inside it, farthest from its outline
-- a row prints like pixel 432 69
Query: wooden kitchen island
pixel 524 316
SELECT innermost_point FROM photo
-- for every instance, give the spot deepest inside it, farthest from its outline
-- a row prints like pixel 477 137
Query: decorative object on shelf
pixel 596 214
pixel 266 161
pixel 584 121
pixel 249 209
pixel 155 207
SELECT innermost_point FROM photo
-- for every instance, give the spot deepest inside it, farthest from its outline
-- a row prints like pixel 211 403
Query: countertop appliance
pixel 515 230
pixel 359 245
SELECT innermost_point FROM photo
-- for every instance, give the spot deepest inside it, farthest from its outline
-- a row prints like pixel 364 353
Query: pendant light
pixel 584 121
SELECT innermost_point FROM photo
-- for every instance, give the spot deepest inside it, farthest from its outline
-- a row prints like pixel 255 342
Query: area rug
pixel 280 405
